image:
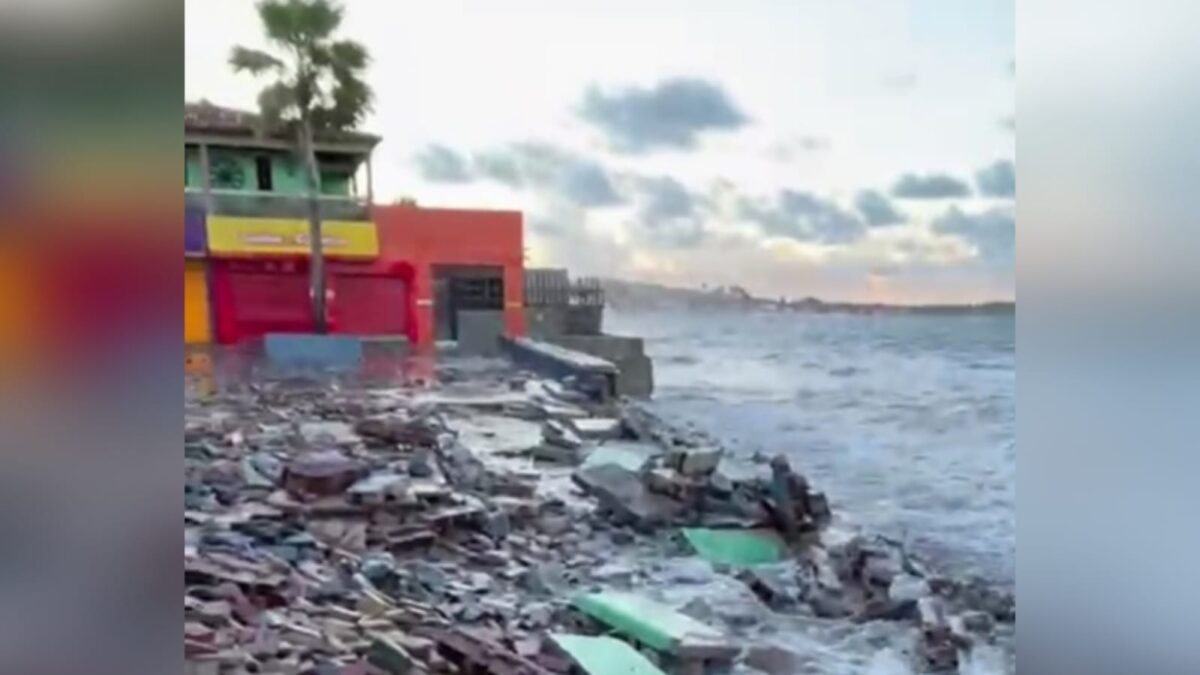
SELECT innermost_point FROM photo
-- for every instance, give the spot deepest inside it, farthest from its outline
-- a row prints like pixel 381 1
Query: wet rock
pixel 537 615
pixel 773 584
pixel 322 474
pixel 621 494
pixel 978 622
pixel 419 465
pixel 430 575
pixel 389 657
pixel 554 525
pixel 829 604
pixel 698 609
pixel 496 524
pixel 772 660
pixel 907 587
pixel 694 462
pixel 558 434
pixel 614 573
pixel 378 567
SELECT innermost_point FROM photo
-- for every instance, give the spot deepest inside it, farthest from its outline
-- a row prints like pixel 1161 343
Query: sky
pixel 860 151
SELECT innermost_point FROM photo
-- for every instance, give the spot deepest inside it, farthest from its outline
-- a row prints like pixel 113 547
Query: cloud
pixel 998 179
pixel 786 151
pixel 540 166
pixel 671 114
pixel 877 209
pixel 899 82
pixel 440 164
pixel 665 197
pixel 802 217
pixel 992 232
pixel 929 186
pixel 667 214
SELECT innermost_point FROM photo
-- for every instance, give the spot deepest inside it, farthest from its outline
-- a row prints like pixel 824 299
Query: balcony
pixel 277 205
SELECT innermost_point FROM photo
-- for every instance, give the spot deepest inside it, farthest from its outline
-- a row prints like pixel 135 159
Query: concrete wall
pixel 479 331
pixel 428 237
pixel 636 378
pixel 545 323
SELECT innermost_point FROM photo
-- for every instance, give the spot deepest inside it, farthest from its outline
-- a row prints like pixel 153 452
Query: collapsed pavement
pixel 462 527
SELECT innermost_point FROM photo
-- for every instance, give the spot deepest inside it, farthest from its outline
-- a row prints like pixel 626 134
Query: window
pixel 262 164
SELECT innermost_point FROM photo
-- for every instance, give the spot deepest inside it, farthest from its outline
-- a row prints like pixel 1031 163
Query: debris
pixel 656 626
pixel 622 493
pixel 389 656
pixel 739 548
pixel 604 655
pixel 321 474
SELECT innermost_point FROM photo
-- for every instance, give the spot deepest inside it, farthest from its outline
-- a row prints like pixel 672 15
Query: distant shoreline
pixel 627 295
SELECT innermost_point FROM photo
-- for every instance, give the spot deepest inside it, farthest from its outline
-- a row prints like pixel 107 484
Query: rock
pixel 828 604
pixel 430 575
pixel 321 474
pixel 554 525
pixel 622 494
pixel 419 464
pixel 556 453
pixel 556 433
pixel 907 587
pixel 537 615
pixel 377 566
pixel 496 524
pixel 698 609
pixel 389 657
pixel 700 461
pixel 772 660
pixel 613 572
pixel 977 622
pixel 771 584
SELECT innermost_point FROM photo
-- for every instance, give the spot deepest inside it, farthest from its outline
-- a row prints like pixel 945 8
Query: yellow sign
pixel 229 235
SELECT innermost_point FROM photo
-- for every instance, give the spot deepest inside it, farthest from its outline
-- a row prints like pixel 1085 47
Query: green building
pixel 233 167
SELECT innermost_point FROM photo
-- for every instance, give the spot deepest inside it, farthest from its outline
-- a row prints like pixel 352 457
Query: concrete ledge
pixel 337 352
pixel 595 376
pixel 636 376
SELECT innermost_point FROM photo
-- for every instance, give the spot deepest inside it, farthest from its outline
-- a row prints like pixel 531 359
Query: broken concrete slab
pixel 322 474
pixel 656 626
pixel 738 548
pixel 630 455
pixel 597 428
pixel 621 493
pixel 604 655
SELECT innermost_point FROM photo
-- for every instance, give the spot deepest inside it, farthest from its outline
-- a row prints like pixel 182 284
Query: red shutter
pixel 369 305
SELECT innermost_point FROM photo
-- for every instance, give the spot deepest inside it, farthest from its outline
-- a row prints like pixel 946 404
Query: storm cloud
pixel 540 166
pixel 670 115
pixel 668 214
pixel 997 180
pixel 440 164
pixel 929 186
pixel 877 209
pixel 803 217
pixel 992 232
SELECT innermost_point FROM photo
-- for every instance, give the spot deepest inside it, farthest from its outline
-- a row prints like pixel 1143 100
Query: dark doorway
pixel 459 288
pixel 263 166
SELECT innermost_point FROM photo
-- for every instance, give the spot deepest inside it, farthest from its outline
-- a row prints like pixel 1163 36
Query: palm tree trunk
pixel 316 258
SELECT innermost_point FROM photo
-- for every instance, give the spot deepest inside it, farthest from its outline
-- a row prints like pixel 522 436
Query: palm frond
pixel 253 61
pixel 299 22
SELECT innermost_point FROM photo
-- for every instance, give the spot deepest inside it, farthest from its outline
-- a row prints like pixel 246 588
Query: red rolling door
pixel 369 304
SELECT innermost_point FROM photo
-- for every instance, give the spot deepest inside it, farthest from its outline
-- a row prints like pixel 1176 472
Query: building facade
pixel 425 274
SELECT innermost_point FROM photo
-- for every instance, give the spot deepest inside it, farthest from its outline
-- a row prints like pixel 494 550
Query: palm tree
pixel 315 87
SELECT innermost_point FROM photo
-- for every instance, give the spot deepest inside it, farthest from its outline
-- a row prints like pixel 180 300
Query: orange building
pixel 466 269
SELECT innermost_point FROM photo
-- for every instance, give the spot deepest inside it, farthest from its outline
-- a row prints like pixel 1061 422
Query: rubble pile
pixel 353 531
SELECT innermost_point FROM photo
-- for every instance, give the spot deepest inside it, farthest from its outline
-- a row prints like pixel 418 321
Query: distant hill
pixel 635 295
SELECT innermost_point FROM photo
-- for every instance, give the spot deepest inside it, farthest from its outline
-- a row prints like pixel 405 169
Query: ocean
pixel 907 422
